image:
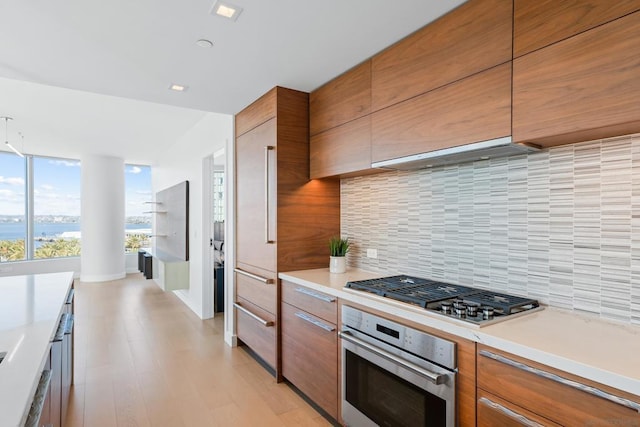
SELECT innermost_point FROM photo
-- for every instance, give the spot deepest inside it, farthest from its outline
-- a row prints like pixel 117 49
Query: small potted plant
pixel 338 250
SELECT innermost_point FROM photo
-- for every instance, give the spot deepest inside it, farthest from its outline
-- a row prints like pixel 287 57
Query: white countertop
pixel 30 308
pixel 580 344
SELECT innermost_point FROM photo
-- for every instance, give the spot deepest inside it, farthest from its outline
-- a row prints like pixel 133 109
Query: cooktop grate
pixel 506 303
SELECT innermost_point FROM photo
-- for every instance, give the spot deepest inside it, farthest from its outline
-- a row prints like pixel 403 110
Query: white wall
pixel 184 161
pixel 103 221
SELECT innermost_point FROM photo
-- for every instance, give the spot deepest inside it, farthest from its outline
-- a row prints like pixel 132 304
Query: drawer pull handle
pixel 521 419
pixel 254 276
pixel 315 322
pixel 564 381
pixel 309 292
pixel 266 323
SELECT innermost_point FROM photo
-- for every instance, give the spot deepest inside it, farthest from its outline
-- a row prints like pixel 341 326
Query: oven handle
pixel 435 378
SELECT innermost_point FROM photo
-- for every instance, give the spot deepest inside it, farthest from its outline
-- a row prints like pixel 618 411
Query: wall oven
pixel 394 375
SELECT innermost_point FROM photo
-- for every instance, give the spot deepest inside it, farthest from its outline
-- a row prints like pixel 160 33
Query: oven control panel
pixel 419 343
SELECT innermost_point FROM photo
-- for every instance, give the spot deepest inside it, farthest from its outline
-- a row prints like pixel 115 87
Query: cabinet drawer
pixel 260 291
pixel 552 394
pixel 257 329
pixel 310 356
pixel 317 303
pixel 495 412
pixel 474 109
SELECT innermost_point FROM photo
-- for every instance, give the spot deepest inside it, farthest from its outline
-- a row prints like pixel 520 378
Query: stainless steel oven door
pixel 383 385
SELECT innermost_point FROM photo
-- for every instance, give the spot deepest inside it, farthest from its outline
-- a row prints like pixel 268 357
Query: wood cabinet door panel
pixel 342 150
pixel 317 303
pixel 474 37
pixel 264 295
pixel 557 402
pixel 345 98
pixel 252 159
pixel 260 338
pixel 495 412
pixel 310 357
pixel 539 23
pixel 582 88
pixel 475 109
pixel 263 109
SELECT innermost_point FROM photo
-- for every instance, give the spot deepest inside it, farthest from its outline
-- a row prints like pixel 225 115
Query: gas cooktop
pixel 463 303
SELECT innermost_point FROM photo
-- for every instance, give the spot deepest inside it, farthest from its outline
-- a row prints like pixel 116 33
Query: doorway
pixel 217 219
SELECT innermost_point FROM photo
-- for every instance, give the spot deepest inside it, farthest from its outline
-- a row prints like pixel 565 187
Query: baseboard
pixel 231 339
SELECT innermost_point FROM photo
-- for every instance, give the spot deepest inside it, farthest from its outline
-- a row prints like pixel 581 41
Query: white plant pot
pixel 337 264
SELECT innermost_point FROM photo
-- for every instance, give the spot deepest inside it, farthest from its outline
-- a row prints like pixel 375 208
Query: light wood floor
pixel 144 359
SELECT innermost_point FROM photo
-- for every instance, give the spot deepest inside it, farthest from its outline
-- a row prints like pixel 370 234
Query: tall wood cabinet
pixel 284 219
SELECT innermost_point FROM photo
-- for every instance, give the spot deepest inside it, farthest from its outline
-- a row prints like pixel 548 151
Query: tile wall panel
pixel 561 225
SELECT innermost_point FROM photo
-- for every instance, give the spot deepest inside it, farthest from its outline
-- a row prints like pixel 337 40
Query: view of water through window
pixel 56 207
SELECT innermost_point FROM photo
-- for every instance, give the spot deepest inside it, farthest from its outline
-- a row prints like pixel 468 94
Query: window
pixel 137 181
pixel 13 221
pixel 39 207
pixel 56 207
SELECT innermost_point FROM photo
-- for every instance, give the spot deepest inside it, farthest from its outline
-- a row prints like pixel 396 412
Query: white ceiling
pixel 135 48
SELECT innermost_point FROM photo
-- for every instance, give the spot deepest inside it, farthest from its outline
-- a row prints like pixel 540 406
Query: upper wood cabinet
pixel 257 113
pixel 474 37
pixel 342 150
pixel 474 109
pixel 585 87
pixel 345 98
pixel 539 23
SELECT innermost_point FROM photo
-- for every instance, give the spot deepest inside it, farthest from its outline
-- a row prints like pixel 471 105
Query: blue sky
pixel 57 186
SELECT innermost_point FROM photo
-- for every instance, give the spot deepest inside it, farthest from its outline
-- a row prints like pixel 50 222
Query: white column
pixel 102 221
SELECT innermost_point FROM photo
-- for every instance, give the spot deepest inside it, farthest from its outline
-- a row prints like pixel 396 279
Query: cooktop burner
pixel 464 303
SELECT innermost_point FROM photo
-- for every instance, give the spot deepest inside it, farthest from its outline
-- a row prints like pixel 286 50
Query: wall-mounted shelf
pixel 149 212
pixel 151 203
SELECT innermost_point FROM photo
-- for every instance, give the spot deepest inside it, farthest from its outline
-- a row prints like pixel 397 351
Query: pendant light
pixel 6 136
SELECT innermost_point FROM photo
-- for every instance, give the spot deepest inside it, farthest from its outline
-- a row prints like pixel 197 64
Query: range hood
pixel 500 147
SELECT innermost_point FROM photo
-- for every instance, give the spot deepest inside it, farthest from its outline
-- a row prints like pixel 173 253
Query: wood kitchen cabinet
pixel 473 37
pixel 343 150
pixel 310 344
pixel 284 220
pixel 477 108
pixel 514 390
pixel 343 99
pixel 340 124
pixel 581 88
pixel 540 23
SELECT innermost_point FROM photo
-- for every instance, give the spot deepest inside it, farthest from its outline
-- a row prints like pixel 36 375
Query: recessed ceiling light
pixel 226 10
pixel 178 88
pixel 204 43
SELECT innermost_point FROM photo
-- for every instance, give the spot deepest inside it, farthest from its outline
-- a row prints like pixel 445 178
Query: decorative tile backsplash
pixel 560 225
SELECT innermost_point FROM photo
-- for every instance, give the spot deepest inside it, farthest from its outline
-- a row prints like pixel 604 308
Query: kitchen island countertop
pixel 581 344
pixel 30 309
